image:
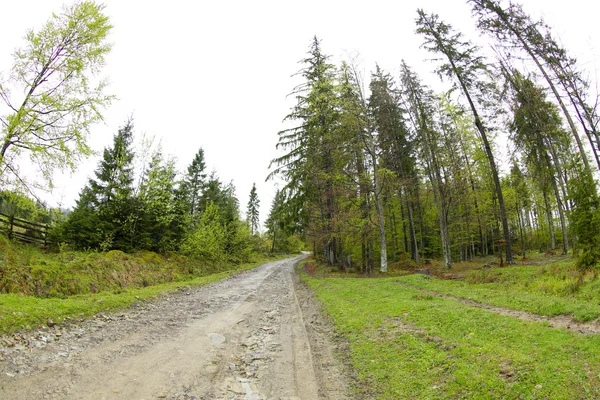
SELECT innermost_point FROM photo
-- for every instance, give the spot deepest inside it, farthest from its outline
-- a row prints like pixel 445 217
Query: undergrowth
pixel 36 285
pixel 30 271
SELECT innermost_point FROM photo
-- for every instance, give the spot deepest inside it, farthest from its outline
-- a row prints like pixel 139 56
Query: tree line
pixel 389 170
pixel 400 172
pixel 152 208
pixel 192 213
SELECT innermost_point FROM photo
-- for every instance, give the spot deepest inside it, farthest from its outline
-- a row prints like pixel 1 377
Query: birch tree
pixel 53 96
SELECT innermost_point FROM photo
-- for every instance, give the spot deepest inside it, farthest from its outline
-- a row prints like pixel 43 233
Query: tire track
pixel 558 321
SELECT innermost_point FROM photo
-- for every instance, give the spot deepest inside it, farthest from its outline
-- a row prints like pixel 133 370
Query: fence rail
pixel 24 231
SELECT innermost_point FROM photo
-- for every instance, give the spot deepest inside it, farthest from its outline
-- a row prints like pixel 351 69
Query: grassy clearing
pixel 552 289
pixel 410 345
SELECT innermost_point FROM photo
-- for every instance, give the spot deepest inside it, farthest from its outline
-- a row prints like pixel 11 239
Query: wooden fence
pixel 24 231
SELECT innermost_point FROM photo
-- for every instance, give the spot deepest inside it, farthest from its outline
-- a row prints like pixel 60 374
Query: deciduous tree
pixel 55 96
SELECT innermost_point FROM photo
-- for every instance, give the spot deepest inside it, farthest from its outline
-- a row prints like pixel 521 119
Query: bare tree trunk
pixel 414 248
pixel 380 217
pixel 523 246
pixel 550 219
pixel 561 214
pixel 404 230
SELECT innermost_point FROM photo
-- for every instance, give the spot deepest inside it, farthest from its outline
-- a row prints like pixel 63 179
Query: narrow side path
pixel 558 321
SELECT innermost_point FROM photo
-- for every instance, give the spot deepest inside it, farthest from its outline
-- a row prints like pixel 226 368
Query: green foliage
pixel 28 271
pixel 312 165
pixel 585 217
pixel 26 312
pixel 240 246
pixel 81 229
pixel 160 224
pixel 252 213
pixel 55 70
pixel 105 216
pixel 281 226
pixel 15 204
pixel 194 182
pixel 207 240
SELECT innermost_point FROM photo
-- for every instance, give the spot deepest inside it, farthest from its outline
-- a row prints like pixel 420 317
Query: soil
pixel 257 335
pixel 557 321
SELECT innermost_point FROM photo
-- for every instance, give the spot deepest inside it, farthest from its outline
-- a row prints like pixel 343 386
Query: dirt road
pixel 257 335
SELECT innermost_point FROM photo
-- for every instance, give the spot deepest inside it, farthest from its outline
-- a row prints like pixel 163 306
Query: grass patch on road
pixel 410 345
pixel 23 312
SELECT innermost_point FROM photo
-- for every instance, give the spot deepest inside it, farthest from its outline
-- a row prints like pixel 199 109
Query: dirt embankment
pixel 257 335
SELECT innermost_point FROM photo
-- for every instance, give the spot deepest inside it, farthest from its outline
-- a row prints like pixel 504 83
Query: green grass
pixel 36 286
pixel 546 290
pixel 408 345
pixel 28 270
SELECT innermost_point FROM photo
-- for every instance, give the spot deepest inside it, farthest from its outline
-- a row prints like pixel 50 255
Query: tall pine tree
pixel 252 213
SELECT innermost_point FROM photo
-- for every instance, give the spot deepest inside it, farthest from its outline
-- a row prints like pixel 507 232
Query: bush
pixel 207 240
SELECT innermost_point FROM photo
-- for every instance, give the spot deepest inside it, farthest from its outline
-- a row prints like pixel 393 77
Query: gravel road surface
pixel 257 335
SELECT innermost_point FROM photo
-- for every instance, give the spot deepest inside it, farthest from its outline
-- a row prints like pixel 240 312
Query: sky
pixel 216 74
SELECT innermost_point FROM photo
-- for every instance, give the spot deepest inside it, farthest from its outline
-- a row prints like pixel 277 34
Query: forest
pixel 375 169
pixel 395 172
pixel 454 227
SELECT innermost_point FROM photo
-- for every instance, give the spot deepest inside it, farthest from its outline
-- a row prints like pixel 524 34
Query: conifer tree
pixel 470 72
pixel 313 161
pixel 514 29
pixel 252 214
pixel 81 230
pixel 113 191
pixel 157 203
pixel 194 182
pixel 537 131
pixel 420 104
pixel 358 126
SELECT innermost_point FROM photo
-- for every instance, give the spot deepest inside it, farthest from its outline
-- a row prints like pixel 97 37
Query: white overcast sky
pixel 215 74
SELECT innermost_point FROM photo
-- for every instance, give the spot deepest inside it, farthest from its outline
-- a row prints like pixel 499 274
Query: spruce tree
pixel 113 192
pixel 157 203
pixel 312 163
pixel 252 214
pixel 470 72
pixel 194 182
pixel 514 29
pixel 536 130
pixel 420 104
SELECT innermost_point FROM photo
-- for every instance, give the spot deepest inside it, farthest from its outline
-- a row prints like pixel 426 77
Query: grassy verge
pixel 546 290
pixel 22 312
pixel 405 344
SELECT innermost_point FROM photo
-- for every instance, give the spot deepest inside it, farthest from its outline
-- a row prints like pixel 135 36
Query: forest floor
pixel 256 335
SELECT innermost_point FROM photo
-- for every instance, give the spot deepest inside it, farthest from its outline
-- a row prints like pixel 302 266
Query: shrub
pixel 207 240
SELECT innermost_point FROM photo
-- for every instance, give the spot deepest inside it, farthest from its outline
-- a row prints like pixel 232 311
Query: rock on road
pixel 257 335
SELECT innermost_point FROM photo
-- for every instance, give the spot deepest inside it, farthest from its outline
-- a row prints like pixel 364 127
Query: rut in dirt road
pixel 242 338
